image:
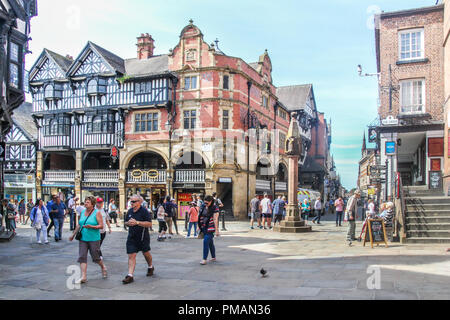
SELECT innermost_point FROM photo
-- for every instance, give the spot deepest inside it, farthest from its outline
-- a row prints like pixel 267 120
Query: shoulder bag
pixel 79 235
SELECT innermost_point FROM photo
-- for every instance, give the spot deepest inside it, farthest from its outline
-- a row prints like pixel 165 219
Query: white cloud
pixel 346 146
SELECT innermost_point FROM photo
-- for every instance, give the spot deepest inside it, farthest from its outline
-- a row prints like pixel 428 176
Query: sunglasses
pixel 134 201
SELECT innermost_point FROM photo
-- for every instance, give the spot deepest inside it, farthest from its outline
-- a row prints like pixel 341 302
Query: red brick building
pixel 410 63
pixel 199 142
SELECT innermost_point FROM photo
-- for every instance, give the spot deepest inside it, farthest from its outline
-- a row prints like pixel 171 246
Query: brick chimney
pixel 145 46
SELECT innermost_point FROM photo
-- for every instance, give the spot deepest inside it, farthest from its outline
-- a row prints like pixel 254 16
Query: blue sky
pixel 319 42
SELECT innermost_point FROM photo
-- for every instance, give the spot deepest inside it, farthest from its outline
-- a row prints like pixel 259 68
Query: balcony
pixel 280 186
pixel 190 176
pixel 59 176
pixel 144 177
pixel 101 176
pixel 263 185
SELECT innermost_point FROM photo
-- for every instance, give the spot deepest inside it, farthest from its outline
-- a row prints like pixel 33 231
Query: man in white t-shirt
pixel 266 206
pixel 72 213
pixel 318 210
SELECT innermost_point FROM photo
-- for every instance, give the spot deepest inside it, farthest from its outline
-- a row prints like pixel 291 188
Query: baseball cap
pixel 99 199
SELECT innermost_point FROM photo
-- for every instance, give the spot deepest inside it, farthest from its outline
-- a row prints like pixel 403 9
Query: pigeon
pixel 263 272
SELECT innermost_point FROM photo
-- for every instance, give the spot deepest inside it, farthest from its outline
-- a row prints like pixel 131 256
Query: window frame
pixel 227 82
pixel 148 87
pixel 28 152
pixel 18 64
pixel 190 86
pixel 266 100
pixel 191 118
pixel 105 124
pixel 58 126
pixel 422 44
pixel 227 118
pixel 146 122
pixel 401 106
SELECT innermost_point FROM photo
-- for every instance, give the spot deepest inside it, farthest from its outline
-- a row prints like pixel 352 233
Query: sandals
pixel 81 281
pixel 203 262
pixel 105 273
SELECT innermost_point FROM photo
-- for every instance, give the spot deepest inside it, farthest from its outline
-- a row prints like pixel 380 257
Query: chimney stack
pixel 145 46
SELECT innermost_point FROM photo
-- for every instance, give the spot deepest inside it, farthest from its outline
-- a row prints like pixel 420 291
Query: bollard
pixel 186 221
pixel 223 220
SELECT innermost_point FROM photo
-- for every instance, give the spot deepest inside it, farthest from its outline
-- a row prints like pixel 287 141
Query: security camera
pixel 359 69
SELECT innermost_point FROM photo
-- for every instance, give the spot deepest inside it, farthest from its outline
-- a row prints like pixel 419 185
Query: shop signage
pixel 114 153
pixel 225 180
pixel 152 174
pixel 435 180
pixel 101 185
pixel 373 135
pixel 390 121
pixel 375 232
pixel 136 173
pixel 390 148
pixel 2 150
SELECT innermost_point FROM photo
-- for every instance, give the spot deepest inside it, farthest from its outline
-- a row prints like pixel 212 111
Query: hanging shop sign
pixel 114 153
pixel 390 121
pixel 390 148
pixel 152 174
pixel 373 135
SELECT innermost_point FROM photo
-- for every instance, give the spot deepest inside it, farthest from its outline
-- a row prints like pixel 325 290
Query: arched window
pixel 49 92
pixel 97 124
pixel 92 87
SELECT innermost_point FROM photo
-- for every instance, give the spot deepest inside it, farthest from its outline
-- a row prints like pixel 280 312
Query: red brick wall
pixel 431 71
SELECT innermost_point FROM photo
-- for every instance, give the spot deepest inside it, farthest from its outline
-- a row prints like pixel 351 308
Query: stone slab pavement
pixel 317 265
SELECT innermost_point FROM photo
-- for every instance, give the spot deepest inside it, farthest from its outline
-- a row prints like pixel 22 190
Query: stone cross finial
pixel 191 21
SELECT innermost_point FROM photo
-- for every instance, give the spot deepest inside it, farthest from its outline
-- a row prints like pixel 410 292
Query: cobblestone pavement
pixel 316 265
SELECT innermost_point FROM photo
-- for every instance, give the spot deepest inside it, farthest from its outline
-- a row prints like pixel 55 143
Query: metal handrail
pixel 400 228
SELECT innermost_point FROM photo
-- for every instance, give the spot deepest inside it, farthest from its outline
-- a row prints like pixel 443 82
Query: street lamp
pixel 169 128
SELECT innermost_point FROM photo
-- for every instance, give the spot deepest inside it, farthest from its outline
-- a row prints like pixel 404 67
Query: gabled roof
pixel 147 67
pixel 294 97
pixel 114 62
pixel 22 119
pixel 60 61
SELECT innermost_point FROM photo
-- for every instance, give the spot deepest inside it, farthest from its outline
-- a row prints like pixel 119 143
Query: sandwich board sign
pixel 375 232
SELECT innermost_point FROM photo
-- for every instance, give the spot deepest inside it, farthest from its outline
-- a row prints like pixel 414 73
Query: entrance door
pixel 225 194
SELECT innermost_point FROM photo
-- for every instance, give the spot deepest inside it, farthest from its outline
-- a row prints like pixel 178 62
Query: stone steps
pixel 427 200
pixel 428 219
pixel 428 226
pixel 434 213
pixel 428 240
pixel 427 234
pixel 427 206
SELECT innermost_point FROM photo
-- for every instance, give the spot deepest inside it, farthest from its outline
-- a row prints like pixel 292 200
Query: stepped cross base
pixel 293 223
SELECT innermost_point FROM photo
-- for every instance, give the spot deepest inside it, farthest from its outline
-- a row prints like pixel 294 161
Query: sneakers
pixel 160 239
pixel 39 242
pixel 252 228
pixel 46 242
pixel 128 279
pixel 150 271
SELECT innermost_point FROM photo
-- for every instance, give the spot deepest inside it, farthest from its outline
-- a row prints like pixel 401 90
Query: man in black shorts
pixel 138 220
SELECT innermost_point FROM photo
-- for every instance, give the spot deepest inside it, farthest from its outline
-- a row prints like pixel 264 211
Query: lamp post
pixel 169 177
pixel 249 85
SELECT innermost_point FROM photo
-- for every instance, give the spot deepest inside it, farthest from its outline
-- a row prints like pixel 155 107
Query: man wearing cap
pixel 350 214
pixel 106 221
pixel 138 220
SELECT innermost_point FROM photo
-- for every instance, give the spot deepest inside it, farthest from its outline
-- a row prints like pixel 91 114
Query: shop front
pixel 106 191
pixel 19 186
pixel 152 194
pixel 184 196
pixel 64 191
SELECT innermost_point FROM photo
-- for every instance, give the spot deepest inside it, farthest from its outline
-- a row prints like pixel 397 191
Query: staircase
pixel 427 215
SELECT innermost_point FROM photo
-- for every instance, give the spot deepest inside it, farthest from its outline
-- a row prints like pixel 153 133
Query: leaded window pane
pixel 14 75
pixel 14 52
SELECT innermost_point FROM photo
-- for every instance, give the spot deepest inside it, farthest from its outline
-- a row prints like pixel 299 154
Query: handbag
pixel 79 235
pixel 11 216
pixel 201 235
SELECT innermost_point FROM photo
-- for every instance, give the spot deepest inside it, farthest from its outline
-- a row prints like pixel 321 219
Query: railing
pixel 263 185
pixel 59 176
pixel 101 176
pixel 280 186
pixel 400 214
pixel 144 177
pixel 190 176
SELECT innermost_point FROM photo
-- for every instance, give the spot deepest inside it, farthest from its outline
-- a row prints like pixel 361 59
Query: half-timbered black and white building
pixel 79 108
pixel 20 156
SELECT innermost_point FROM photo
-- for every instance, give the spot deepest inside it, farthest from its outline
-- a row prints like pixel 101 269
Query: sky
pixel 319 42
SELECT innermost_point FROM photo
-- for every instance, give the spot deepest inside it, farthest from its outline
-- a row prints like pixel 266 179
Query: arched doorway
pixel 146 176
pixel 189 179
pixel 281 180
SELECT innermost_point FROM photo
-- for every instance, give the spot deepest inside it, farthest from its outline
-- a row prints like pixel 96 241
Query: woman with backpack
pixel 209 225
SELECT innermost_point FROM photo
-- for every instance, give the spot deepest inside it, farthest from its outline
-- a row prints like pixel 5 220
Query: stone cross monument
pixel 293 223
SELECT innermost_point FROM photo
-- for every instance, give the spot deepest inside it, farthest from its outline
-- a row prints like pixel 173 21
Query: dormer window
pixel 53 91
pixel 96 87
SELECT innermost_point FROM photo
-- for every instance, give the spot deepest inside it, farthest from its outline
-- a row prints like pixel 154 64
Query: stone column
pixel 78 172
pixel 293 223
pixel 39 173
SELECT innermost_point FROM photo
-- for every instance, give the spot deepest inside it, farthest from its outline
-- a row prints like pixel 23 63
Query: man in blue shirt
pixel 52 218
pixel 59 210
pixel 278 208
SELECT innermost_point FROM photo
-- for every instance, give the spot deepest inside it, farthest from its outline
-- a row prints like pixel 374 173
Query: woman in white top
pixel 40 220
pixel 371 210
pixel 113 212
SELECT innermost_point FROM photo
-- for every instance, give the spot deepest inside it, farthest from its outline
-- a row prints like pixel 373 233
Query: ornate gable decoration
pixel 191 31
pixel 49 70
pixel 92 64
pixel 16 135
